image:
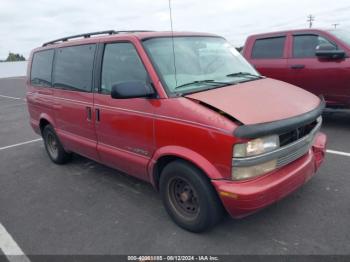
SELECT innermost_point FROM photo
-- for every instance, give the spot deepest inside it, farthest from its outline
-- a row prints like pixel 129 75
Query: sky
pixel 26 24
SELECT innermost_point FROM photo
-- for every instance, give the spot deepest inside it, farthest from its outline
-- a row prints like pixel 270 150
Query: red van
pixel 183 111
pixel 316 60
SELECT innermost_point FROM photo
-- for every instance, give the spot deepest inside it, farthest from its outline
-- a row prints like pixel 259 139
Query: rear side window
pixel 41 68
pixel 121 63
pixel 73 68
pixel 269 48
pixel 305 45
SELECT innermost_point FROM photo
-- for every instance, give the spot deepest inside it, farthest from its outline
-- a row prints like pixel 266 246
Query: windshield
pixel 343 35
pixel 200 63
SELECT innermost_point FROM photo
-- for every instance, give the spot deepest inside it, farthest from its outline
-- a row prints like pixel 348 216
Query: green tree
pixel 15 57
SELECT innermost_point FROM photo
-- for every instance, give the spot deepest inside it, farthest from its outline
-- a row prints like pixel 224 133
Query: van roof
pixel 141 34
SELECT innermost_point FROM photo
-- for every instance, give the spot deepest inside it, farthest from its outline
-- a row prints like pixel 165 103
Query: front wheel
pixel 188 197
pixel 54 147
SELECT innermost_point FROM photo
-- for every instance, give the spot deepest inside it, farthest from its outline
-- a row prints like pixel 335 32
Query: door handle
pixel 297 66
pixel 88 113
pixel 97 110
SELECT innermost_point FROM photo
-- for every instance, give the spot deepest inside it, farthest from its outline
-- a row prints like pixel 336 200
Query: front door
pixel 318 75
pixel 124 127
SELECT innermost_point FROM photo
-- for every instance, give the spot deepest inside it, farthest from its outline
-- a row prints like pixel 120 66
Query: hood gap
pixel 235 120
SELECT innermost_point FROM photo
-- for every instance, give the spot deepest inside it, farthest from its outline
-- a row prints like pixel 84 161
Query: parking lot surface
pixel 86 208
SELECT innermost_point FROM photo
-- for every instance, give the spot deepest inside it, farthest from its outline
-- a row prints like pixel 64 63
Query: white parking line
pixel 10 248
pixel 20 144
pixel 340 153
pixel 11 97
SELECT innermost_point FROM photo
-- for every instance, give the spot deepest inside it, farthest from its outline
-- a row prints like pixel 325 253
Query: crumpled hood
pixel 259 101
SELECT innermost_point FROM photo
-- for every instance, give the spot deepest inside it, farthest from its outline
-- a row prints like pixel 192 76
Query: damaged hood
pixel 259 101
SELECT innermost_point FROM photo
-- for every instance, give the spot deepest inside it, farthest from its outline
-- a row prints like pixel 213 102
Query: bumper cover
pixel 246 197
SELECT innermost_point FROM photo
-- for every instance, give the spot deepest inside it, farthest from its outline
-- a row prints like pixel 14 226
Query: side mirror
pixel 131 89
pixel 329 51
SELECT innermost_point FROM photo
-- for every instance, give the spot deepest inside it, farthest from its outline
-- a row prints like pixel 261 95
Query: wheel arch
pixel 168 154
pixel 44 120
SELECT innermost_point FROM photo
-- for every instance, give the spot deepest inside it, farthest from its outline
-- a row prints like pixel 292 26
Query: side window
pixel 121 63
pixel 73 68
pixel 41 68
pixel 269 48
pixel 304 46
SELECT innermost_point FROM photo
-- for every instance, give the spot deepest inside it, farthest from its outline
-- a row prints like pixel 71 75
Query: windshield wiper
pixel 207 81
pixel 244 74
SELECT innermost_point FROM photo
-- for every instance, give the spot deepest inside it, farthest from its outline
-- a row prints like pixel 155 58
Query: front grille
pixel 295 144
pixel 285 160
pixel 296 134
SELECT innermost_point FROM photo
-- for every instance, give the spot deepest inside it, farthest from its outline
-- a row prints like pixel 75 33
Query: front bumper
pixel 241 198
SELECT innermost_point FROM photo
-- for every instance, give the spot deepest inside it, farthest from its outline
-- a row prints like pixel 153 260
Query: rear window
pixel 269 47
pixel 73 68
pixel 41 68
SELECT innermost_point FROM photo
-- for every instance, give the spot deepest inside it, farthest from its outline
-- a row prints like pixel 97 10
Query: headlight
pixel 252 148
pixel 240 173
pixel 256 147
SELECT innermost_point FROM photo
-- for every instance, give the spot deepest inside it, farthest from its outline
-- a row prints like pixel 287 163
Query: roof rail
pixel 88 35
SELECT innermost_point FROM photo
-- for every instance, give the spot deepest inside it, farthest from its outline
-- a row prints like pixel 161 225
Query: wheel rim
pixel 51 143
pixel 183 197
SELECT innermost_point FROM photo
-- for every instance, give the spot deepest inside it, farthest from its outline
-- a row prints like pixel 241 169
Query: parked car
pixel 183 111
pixel 316 60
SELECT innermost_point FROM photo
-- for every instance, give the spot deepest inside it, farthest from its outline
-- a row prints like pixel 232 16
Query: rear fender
pixel 44 116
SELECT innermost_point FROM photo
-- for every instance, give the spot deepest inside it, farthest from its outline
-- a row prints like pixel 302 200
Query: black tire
pixel 54 147
pixel 189 198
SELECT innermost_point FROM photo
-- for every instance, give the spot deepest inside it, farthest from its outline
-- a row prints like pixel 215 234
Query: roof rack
pixel 88 35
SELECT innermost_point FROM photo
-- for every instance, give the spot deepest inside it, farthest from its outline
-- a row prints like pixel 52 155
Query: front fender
pixel 186 154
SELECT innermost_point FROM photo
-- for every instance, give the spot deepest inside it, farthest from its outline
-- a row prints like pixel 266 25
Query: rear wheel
pixel 54 147
pixel 188 197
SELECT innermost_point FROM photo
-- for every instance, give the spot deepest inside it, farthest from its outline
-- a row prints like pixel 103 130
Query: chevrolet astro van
pixel 183 111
